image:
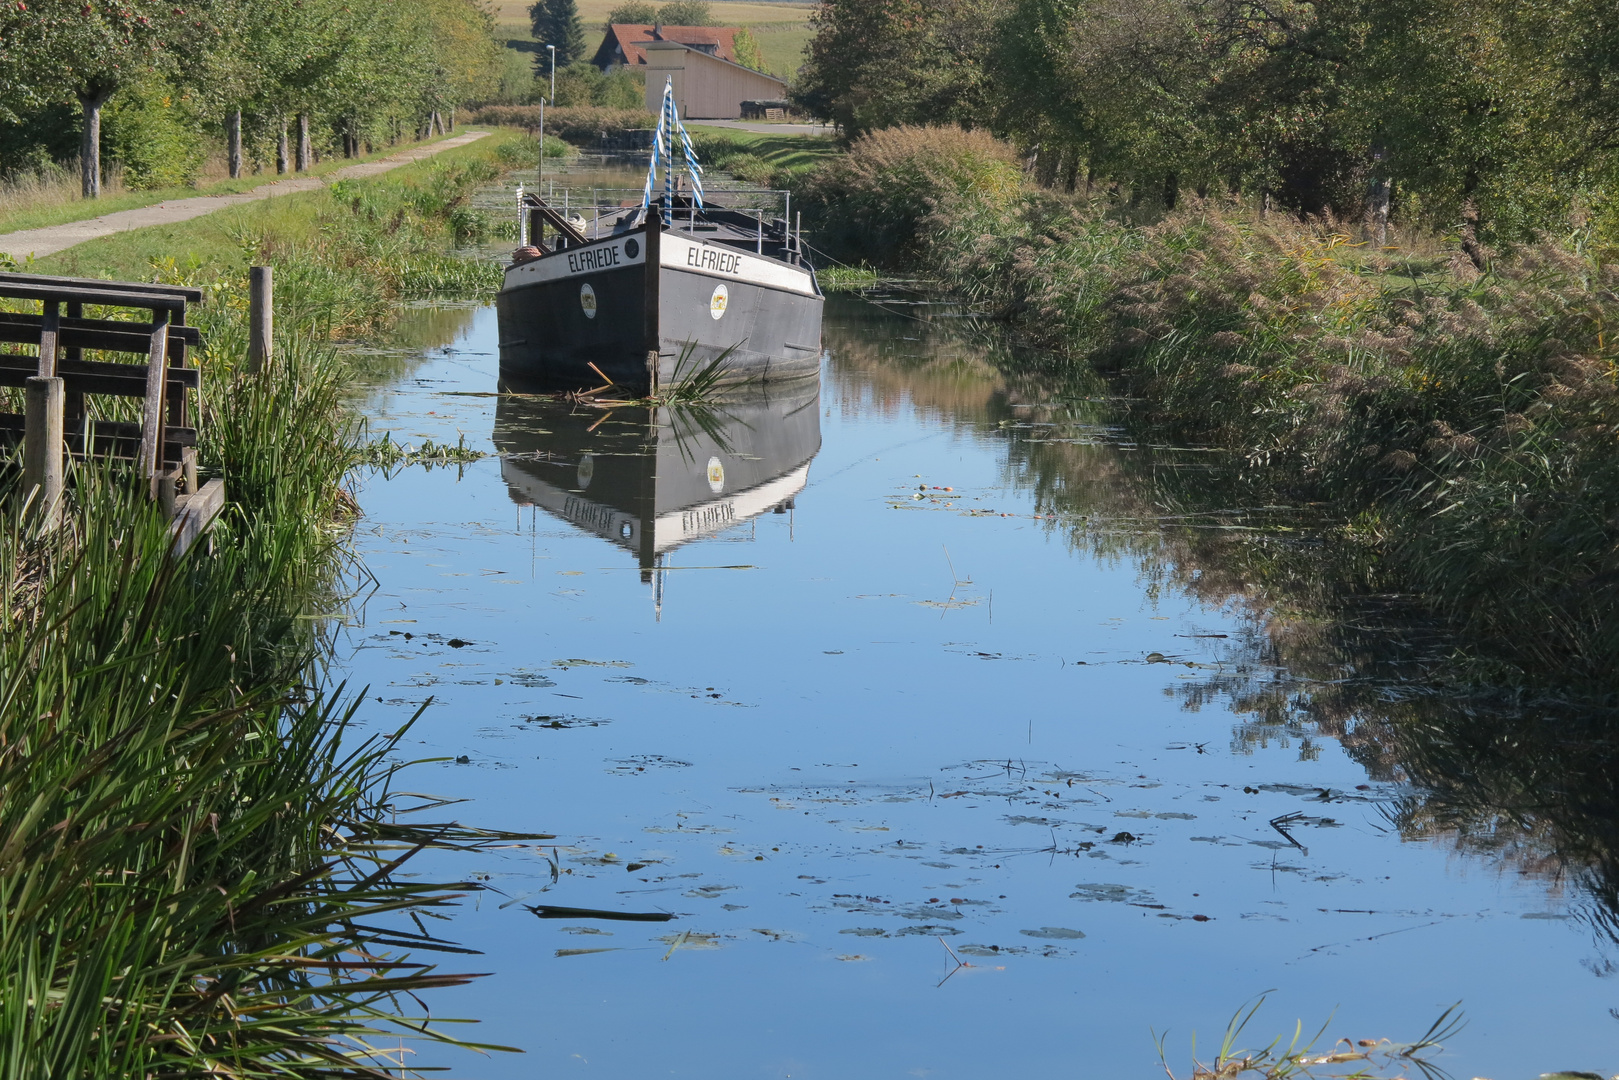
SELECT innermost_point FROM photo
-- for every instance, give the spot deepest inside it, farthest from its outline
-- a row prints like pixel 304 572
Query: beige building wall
pixel 706 87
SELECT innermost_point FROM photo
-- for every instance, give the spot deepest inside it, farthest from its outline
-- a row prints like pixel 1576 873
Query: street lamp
pixel 553 51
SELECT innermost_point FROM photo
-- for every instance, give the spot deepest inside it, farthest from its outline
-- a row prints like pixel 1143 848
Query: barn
pixel 709 83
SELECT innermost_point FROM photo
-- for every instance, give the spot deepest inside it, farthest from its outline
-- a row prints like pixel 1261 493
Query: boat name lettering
pixel 707 258
pixel 589 514
pixel 592 259
pixel 708 517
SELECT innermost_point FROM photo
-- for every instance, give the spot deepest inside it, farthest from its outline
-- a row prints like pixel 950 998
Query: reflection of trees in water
pixel 1528 784
pixel 400 348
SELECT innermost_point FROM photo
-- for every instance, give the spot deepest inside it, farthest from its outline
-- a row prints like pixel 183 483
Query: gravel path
pixel 54 238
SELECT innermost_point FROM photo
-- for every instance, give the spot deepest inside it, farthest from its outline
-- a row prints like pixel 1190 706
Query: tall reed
pixel 1461 423
pixel 197 857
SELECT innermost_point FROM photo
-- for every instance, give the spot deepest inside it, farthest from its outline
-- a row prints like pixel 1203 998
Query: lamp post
pixel 552 49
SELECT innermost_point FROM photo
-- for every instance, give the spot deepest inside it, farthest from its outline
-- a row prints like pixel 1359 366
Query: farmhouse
pixel 709 83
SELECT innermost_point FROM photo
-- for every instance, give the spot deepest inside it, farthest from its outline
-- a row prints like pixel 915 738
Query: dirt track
pixel 54 238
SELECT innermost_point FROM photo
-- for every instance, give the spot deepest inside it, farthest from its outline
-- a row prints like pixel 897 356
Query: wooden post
pixel 42 445
pixel 261 316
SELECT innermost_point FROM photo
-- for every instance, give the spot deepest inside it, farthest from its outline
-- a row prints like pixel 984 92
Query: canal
pixel 963 736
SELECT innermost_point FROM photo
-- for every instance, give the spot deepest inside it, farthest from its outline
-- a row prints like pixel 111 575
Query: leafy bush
pixel 576 125
pixel 872 202
pixel 154 133
pixel 584 84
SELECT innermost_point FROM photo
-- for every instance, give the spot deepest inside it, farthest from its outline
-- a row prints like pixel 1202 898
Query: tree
pixel 747 50
pixel 686 13
pixel 556 22
pixel 59 51
pixel 636 13
pixel 878 63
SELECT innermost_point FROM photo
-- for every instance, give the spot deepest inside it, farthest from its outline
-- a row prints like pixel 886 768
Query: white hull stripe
pixel 679 253
pixel 669 530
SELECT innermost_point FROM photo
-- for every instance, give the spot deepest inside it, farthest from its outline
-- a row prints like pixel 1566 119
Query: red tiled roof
pixel 630 39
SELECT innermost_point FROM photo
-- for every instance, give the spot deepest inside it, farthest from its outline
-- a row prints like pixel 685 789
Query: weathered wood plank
pixel 108 334
pixel 194 295
pixel 126 297
pixel 112 438
pixel 193 514
pixel 50 326
pixel 151 451
pixel 96 376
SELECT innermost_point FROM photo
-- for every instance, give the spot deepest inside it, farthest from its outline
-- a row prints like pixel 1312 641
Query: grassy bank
pixel 35 202
pixel 1454 411
pixel 198 866
pixel 344 256
pixel 758 157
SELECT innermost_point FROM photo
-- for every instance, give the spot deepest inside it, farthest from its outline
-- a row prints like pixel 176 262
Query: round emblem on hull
pixel 587 300
pixel 632 248
pixel 716 475
pixel 717 302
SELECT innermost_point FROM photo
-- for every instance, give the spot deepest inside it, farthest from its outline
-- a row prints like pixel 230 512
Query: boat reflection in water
pixel 650 479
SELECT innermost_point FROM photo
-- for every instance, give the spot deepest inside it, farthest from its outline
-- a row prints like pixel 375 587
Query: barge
pixel 643 297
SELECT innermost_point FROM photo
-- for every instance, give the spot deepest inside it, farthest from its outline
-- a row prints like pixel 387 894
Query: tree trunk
pixel 283 152
pixel 90 145
pixel 1172 191
pixel 1377 210
pixel 305 152
pixel 233 143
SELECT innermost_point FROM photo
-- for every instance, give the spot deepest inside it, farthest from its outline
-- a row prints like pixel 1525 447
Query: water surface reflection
pixel 1137 744
pixel 652 479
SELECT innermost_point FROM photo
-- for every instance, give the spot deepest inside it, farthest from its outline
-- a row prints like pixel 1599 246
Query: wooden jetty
pixel 56 382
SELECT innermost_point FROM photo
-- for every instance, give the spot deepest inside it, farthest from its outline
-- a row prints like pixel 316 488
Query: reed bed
pixel 198 846
pixel 1454 407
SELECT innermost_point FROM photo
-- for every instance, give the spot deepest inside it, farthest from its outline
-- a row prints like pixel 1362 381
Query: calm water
pixel 934 655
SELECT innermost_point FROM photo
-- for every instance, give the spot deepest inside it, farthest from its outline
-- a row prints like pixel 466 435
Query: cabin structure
pixel 709 83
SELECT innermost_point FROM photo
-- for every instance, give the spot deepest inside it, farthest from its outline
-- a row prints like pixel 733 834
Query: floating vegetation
pixel 390 456
pixel 1361 1059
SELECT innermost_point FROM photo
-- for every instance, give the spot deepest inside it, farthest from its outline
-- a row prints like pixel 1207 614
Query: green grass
pixel 783 46
pixel 77 209
pixel 789 151
pixel 353 249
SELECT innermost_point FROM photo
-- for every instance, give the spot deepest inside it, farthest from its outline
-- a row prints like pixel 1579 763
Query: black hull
pixel 549 341
pixel 663 476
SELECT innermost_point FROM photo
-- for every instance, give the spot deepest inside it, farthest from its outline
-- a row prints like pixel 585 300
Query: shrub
pixel 872 202
pixel 155 135
pixel 577 125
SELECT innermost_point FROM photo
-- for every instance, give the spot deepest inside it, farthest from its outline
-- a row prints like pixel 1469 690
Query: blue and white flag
pixel 663 150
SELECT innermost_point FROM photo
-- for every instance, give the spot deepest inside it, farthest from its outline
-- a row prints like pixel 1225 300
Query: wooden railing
pixel 58 379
